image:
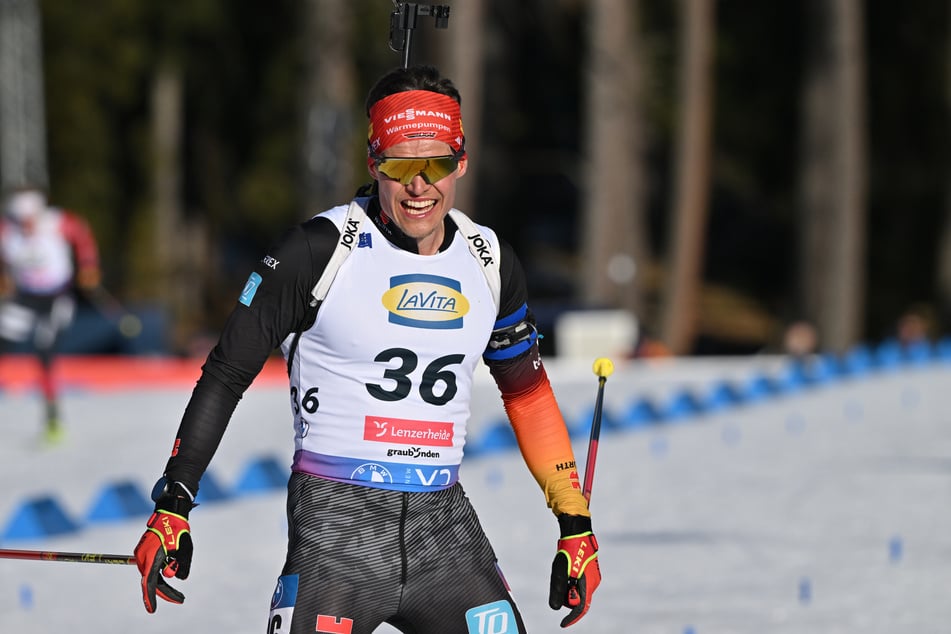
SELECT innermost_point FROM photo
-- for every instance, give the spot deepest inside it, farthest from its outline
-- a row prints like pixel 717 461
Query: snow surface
pixel 823 511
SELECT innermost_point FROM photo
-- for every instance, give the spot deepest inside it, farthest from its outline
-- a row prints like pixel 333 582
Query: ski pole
pixel 603 368
pixel 53 555
pixel 112 309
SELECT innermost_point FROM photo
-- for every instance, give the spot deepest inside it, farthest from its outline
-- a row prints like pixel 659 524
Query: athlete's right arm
pixel 275 302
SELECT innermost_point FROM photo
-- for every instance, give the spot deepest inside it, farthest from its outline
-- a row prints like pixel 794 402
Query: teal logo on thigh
pixel 491 618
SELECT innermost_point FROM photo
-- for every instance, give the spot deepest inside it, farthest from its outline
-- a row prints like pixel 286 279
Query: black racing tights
pixel 361 556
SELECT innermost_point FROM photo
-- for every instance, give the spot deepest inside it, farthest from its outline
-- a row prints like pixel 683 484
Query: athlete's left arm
pixel 514 362
pixel 6 281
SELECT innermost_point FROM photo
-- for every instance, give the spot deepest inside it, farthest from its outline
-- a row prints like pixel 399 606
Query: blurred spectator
pixel 914 326
pixel 800 339
pixel 649 347
pixel 46 253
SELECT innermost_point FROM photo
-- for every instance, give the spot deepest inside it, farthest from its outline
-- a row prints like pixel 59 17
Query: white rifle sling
pixel 485 252
pixel 349 235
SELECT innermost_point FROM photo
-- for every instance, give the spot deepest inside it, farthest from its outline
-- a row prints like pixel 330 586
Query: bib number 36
pixel 437 387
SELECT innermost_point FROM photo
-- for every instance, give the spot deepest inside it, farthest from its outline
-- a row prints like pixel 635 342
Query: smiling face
pixel 419 207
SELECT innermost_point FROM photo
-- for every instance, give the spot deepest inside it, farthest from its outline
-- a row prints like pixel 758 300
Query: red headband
pixel 415 114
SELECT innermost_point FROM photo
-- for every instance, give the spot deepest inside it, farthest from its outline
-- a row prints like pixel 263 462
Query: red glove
pixel 575 573
pixel 165 549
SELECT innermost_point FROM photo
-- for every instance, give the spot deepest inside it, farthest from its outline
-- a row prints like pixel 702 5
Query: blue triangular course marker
pixel 721 396
pixel 39 517
pixel 794 376
pixel 758 387
pixel 641 413
pixel 497 437
pixel 119 501
pixel 919 352
pixel 888 354
pixel 858 361
pixel 824 368
pixel 943 349
pixel 682 405
pixel 209 490
pixel 582 424
pixel 261 475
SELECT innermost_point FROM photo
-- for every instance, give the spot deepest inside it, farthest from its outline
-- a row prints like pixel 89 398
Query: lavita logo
pixel 425 301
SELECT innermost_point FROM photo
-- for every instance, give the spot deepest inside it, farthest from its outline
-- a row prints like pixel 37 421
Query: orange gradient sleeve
pixel 546 448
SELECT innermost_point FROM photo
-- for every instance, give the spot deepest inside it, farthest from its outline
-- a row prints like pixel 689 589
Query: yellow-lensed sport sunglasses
pixel 405 169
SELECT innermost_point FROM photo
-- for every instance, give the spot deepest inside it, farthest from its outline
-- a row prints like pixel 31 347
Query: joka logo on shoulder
pixel 425 301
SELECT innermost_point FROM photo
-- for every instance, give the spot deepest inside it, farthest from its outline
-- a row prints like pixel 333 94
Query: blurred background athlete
pixel 46 254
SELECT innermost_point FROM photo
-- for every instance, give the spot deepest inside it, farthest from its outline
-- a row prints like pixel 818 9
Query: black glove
pixel 575 573
pixel 165 549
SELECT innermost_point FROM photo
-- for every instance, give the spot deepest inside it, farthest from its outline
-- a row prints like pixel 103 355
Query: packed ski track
pixel 821 510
